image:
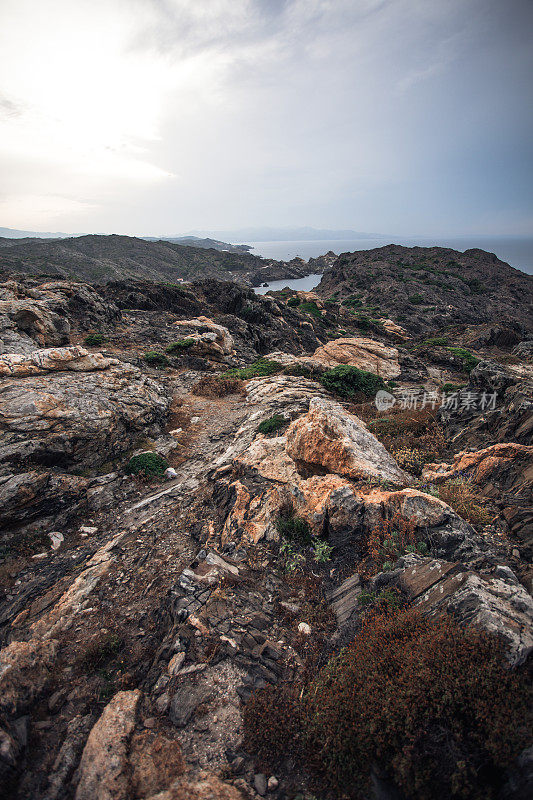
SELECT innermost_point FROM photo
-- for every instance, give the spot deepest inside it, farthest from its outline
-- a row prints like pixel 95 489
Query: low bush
pixel 349 381
pixel 428 702
pixel 469 360
pixel 416 299
pixel 180 346
pixel 462 497
pixel 150 465
pixel 261 368
pixel 213 386
pixel 94 339
pixel 158 360
pixel 293 528
pixel 272 424
pixel 302 371
pixel 293 301
pixel 410 459
pixel 311 308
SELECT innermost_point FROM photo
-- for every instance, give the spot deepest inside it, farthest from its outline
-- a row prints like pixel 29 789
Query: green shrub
pixel 273 424
pixel 348 381
pixel 438 341
pixel 323 551
pixel 292 528
pixel 148 464
pixel 178 347
pixel 94 339
pixel 311 308
pixel 452 387
pixel 468 359
pixel 293 301
pixel 261 368
pixel 416 299
pixel 158 360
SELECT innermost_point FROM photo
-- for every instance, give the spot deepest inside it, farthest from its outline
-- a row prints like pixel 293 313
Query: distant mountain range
pixel 304 234
pixel 219 239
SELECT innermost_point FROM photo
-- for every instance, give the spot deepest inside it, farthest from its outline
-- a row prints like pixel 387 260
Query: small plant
pixel 448 388
pixel 292 528
pixel 411 460
pixel 294 301
pixel 262 368
pixel 100 651
pixel 272 425
pixel 416 299
pixel 469 360
pixel 180 346
pixel 458 493
pixel 348 381
pixel 213 386
pixel 94 339
pixel 150 465
pixel 323 551
pixel 157 360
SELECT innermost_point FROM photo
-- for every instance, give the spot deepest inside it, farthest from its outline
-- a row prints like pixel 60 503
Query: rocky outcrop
pixel 496 602
pixel 34 314
pixel 328 439
pixel 74 358
pixel 103 767
pixel 504 474
pixel 366 354
pixel 507 413
pixel 67 418
pixel 210 340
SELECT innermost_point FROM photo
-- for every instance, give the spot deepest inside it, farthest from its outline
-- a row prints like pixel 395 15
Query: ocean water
pixel 518 252
pixel 298 284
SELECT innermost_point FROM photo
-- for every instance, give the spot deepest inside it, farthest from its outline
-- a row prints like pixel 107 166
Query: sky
pixel 156 117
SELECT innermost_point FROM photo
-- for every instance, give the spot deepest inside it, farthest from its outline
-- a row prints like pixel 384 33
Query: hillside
pixel 99 259
pixel 428 289
pixel 220 512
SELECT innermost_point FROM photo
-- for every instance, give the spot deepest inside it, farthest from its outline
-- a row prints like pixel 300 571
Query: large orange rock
pixel 362 353
pixel 329 439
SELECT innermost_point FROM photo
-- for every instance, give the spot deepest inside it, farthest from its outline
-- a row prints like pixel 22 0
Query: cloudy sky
pixel 162 116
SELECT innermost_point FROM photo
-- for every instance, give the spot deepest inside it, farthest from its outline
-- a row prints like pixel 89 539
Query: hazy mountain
pixel 285 234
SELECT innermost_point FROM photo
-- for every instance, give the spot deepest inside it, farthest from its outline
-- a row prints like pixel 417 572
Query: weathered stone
pixel 58 359
pixel 365 354
pixel 61 417
pixel 103 771
pixel 329 439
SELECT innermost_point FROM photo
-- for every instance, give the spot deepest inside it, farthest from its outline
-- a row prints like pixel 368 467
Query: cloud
pixel 187 114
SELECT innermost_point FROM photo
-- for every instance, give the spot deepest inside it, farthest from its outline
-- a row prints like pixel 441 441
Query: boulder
pixel 37 362
pixel 104 767
pixel 329 439
pixel 76 418
pixel 210 339
pixel 499 606
pixel 365 354
pixel 206 787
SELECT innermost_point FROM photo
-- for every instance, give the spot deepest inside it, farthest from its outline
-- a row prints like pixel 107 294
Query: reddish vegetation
pixel 423 699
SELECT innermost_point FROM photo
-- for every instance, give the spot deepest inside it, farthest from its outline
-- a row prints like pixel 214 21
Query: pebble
pixel 149 722
pixel 260 784
pixel 56 539
pixel 88 529
pixel 273 783
pixel 304 628
pixel 170 472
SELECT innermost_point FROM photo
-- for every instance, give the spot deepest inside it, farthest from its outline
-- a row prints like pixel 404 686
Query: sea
pixel 516 251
